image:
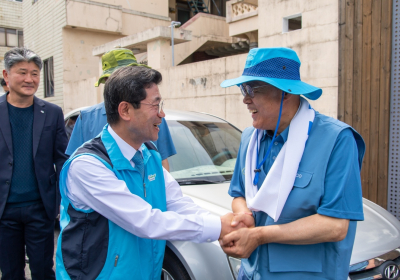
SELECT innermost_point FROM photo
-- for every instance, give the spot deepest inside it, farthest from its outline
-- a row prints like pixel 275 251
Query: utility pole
pixel 173 24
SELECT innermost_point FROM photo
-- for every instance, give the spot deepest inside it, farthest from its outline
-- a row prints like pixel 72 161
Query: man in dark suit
pixel 32 145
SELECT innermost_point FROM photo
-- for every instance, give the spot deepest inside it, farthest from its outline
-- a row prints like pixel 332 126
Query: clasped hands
pixel 238 234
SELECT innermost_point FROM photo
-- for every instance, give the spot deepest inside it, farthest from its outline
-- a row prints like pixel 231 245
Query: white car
pixel 207 148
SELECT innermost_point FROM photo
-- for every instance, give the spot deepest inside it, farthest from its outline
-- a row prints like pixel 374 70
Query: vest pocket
pixel 290 258
pixel 84 244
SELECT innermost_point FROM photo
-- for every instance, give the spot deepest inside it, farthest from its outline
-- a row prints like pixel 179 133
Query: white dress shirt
pixel 91 185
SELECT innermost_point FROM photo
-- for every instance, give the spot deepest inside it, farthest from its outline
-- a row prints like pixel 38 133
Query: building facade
pixel 64 33
pixel 11 33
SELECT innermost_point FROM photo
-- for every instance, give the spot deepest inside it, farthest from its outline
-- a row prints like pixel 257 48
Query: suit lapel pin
pixel 41 111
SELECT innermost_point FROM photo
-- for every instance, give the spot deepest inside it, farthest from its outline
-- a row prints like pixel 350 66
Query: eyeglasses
pixel 249 90
pixel 159 105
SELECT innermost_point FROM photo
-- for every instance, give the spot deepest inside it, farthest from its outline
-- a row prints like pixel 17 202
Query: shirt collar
pixel 283 135
pixel 127 150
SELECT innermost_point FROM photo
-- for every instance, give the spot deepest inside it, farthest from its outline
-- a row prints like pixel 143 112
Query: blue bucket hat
pixel 279 67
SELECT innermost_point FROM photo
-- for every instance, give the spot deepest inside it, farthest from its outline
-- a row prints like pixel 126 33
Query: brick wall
pixel 10 17
pixel 43 23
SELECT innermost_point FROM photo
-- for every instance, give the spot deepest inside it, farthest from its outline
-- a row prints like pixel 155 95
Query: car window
pixel 69 125
pixel 206 151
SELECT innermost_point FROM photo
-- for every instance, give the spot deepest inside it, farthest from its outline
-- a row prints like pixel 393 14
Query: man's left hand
pixel 240 243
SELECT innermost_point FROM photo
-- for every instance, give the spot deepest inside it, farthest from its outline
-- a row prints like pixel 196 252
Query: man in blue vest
pixel 119 204
pixel 92 120
pixel 298 172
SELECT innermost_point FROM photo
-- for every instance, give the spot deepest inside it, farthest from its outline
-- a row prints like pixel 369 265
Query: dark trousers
pixel 26 226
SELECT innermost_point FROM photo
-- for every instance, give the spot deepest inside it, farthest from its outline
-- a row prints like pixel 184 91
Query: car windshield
pixel 206 151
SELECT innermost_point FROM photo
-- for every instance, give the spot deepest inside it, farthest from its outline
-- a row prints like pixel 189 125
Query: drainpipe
pixel 173 24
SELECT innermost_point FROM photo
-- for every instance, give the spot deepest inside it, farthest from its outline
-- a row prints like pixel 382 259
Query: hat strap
pixel 257 171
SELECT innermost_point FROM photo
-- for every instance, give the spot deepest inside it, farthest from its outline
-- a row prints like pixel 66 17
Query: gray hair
pixel 17 55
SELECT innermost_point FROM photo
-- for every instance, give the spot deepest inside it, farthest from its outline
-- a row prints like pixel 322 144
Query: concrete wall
pixel 205 28
pixel 317 43
pixel 43 22
pixel 81 68
pixel 155 7
pixel 108 18
pixel 10 16
pixel 195 87
pixel 130 23
pixel 207 25
pixel 97 17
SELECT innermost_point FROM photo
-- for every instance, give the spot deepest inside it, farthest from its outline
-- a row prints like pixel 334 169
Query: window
pixel 20 38
pixel 183 11
pixel 11 37
pixel 292 23
pixel 206 151
pixel 48 69
pixel 3 37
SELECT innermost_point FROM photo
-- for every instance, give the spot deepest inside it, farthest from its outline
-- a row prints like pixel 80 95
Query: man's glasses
pixel 249 90
pixel 159 105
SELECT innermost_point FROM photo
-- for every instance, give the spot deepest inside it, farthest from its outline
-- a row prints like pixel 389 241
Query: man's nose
pixel 247 99
pixel 28 78
pixel 161 114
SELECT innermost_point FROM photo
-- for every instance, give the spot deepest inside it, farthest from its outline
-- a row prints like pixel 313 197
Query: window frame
pixel 17 31
pixel 48 81
pixel 285 23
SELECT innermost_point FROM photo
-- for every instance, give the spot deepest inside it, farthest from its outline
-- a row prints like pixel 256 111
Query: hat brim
pixel 108 72
pixel 289 86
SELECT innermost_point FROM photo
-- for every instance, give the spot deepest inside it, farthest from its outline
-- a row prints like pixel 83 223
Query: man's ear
pixel 288 96
pixel 124 109
pixel 5 76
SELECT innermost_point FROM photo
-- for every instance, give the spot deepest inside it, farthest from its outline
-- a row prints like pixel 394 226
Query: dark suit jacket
pixel 49 144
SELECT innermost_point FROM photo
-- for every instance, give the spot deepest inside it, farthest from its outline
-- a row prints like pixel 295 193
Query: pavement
pixel 28 271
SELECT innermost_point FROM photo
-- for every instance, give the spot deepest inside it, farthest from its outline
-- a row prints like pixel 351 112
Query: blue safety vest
pixel 93 247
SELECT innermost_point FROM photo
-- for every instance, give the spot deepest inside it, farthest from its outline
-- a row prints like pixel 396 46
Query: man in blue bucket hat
pixel 297 172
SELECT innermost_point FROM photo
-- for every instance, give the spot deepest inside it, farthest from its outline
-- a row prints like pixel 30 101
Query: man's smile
pixel 157 126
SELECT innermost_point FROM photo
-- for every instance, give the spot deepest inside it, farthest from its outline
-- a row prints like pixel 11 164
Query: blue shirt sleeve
pixel 236 189
pixel 164 144
pixel 342 188
pixel 76 139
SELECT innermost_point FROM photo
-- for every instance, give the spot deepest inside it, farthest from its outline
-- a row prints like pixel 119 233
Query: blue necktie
pixel 139 164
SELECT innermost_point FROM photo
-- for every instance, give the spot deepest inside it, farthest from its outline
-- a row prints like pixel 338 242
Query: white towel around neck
pixel 279 182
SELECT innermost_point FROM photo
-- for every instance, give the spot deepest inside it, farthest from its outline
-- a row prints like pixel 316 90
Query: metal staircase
pixel 198 6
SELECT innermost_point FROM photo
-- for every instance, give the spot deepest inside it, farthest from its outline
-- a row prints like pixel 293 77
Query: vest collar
pixel 114 150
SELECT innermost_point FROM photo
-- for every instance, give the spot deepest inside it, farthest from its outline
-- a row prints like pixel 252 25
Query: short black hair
pixel 128 84
pixel 3 82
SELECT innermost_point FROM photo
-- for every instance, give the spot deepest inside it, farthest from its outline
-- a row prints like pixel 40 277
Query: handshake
pixel 239 237
pixel 236 229
pixel 234 221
